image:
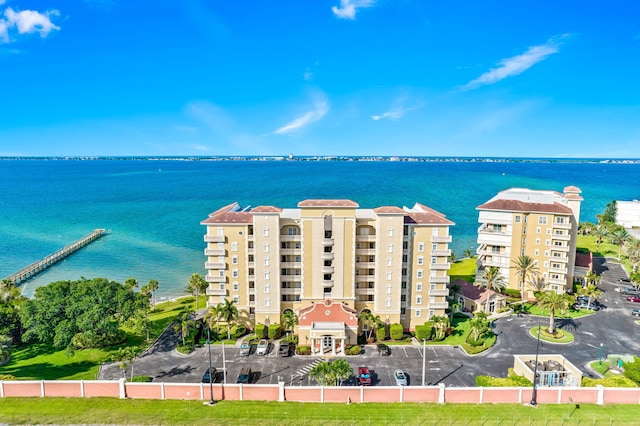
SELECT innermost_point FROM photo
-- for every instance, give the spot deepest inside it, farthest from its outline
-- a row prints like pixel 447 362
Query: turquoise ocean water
pixel 153 209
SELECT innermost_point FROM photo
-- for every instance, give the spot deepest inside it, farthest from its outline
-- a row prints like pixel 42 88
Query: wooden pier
pixel 39 266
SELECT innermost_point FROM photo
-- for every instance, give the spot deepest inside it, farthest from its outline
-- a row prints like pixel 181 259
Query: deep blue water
pixel 153 209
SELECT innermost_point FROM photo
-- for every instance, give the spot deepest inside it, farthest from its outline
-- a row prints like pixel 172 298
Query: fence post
pixel 1 388
pixel 241 393
pixel 42 388
pixel 123 392
pixel 481 395
pixel 441 393
pixel 280 391
pixel 361 393
pixel 162 390
pixel 82 388
pixel 402 396
pixel 321 393
pixel 600 394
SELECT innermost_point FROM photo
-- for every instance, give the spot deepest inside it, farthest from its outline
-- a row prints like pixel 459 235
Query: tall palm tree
pixel 183 326
pixel 468 253
pixel 479 325
pixel 321 372
pixel 228 313
pixel 341 370
pixel 212 317
pixel 492 278
pixel 599 233
pixel 592 278
pixel 526 268
pixel 554 303
pixel 197 285
pixel 153 286
pixel 619 237
pixel 131 283
pixel 591 291
pixel 440 326
pixel 289 320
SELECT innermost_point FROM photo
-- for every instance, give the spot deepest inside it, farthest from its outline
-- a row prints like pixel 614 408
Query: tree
pixel 126 356
pixel 5 348
pixel 453 257
pixel 599 233
pixel 153 286
pixel 492 278
pixel 197 285
pixel 526 268
pixel 592 278
pixel 321 372
pixel 619 237
pixel 479 326
pixel 228 313
pixel 341 370
pixel 554 303
pixel 289 320
pixel 609 214
pixel 440 326
pixel 468 253
pixel 591 291
pixel 10 302
pixel 370 323
pixel 183 325
pixel 633 253
pixel 331 373
pixel 131 283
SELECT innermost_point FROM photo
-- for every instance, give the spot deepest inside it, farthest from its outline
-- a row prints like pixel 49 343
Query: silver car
pixel 401 378
pixel 263 347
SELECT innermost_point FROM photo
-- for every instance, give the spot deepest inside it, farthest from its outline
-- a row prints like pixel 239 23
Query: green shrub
pixel 237 331
pixel 303 350
pixel 187 348
pixel 90 339
pixel 396 331
pixel 7 377
pixel 274 331
pixel 511 292
pixel 381 333
pixel 260 331
pixel 353 350
pixel 293 338
pixel 514 381
pixel 424 331
pixel 609 382
pixel 632 370
pixel 142 379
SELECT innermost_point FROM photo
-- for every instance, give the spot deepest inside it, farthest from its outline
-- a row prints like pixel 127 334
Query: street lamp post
pixel 211 401
pixel 534 395
pixel 601 349
pixel 424 358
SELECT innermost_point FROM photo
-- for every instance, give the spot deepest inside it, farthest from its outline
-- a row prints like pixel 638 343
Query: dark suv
pixel 284 348
pixel 209 377
pixel 383 349
pixel 244 376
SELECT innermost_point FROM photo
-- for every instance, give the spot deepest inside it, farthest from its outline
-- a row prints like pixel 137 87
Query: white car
pixel 263 347
pixel 401 378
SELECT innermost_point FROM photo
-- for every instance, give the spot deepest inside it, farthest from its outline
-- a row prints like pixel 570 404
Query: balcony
pixel 216 292
pixel 290 265
pixel 440 266
pixel 327 283
pixel 558 281
pixel 564 249
pixel 438 305
pixel 563 237
pixel 327 242
pixel 484 229
pixel 365 265
pixel 327 256
pixel 445 253
pixel 445 279
pixel 558 270
pixel 328 269
pixel 490 252
pixel 365 252
pixel 214 252
pixel 441 239
pixel 215 265
pixel 365 238
pixel 494 240
pixel 439 292
pixel 214 238
pixel 294 291
pixel 365 278
pixel 566 225
pixel 365 291
pixel 212 279
pixel 291 251
pixel 500 262
pixel 293 278
pixel 290 238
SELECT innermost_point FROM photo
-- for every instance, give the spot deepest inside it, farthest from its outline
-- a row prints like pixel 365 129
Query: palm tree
pixel 452 257
pixel 131 283
pixel 619 237
pixel 479 325
pixel 554 303
pixel 212 317
pixel 492 278
pixel 633 253
pixel 321 372
pixel 153 286
pixel 526 268
pixel 440 326
pixel 126 356
pixel 592 278
pixel 468 253
pixel 371 322
pixel 183 326
pixel 341 370
pixel 289 320
pixel 197 285
pixel 591 291
pixel 228 313
pixel 599 233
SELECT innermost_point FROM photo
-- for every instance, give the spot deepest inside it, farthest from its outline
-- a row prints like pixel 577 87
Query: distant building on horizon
pixel 628 214
pixel 538 223
pixel 329 261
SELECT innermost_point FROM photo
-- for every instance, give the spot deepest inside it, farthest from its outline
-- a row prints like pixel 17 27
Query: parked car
pixel 245 349
pixel 593 306
pixel 636 312
pixel 209 376
pixel 630 291
pixel 401 378
pixel 263 347
pixel 364 376
pixel 244 376
pixel 635 299
pixel 383 349
pixel 284 348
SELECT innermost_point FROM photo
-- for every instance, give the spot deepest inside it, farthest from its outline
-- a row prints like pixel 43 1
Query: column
pixel 333 346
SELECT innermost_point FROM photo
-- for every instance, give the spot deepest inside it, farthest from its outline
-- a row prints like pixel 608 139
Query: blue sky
pixel 323 77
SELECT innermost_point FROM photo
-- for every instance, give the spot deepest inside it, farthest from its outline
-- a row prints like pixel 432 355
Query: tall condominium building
pixel 540 224
pixel 328 261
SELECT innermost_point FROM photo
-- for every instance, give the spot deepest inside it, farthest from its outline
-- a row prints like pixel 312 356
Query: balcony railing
pixel 440 266
pixel 327 242
pixel 484 229
pixel 365 278
pixel 290 251
pixel 214 238
pixel 438 305
pixel 562 225
pixel 439 292
pixel 291 291
pixel 294 278
pixel 290 264
pixel 560 248
pixel 327 283
pixel 214 252
pixel 558 281
pixel 290 238
pixel 214 279
pixel 365 265
pixel 328 269
pixel 361 291
pixel 216 292
pixel 563 237
pixel 444 279
pixel 365 238
pixel 215 265
pixel 445 253
pixel 441 239
pixel 485 252
pixel 558 270
pixel 365 252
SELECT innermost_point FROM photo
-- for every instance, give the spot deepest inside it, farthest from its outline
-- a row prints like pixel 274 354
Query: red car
pixel 634 299
pixel 364 376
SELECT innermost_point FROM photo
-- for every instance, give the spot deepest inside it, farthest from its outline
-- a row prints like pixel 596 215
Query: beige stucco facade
pixel 391 261
pixel 540 224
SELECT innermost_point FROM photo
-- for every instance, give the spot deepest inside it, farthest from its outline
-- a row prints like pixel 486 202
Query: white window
pixel 517 219
pixel 267 288
pixel 390 248
pixel 420 246
pixel 418 300
pixel 390 231
pixel 234 246
pixel 388 289
pixel 549 231
pixel 542 220
pixel 431 313
pixel 432 299
pixel 265 231
pixel 234 260
pixel 537 241
pixel 535 263
pixel 234 273
pixel 433 286
pixel 266 247
pixel 418 286
pixel 559 219
pixel 419 273
pixel 420 260
pixel 221 273
pixel 266 261
pixel 267 275
pixel 546 264
pixel 546 253
pixel 236 299
pixel 536 252
pixel 388 275
pixel 389 261
pixel 267 302
pixel 418 313
pixel 538 230
pixel 388 302
pixel 434 260
pixel 236 286
pixel 548 242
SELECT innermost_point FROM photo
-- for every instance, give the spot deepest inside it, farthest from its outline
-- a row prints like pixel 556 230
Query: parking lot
pixel 612 327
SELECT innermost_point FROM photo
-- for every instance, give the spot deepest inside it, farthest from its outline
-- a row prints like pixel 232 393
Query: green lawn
pixel 41 361
pixel 605 248
pixel 534 309
pixel 115 411
pixel 567 337
pixel 459 336
pixel 464 269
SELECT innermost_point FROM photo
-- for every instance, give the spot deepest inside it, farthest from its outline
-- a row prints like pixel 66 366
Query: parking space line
pixel 405 352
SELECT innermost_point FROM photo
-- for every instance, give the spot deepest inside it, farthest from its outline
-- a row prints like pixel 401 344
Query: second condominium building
pixel 328 261
pixel 540 224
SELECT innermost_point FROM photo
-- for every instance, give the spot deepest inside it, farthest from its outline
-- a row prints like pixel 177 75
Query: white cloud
pixel 348 8
pixel 308 75
pixel 27 22
pixel 398 110
pixel 200 148
pixel 321 108
pixel 516 64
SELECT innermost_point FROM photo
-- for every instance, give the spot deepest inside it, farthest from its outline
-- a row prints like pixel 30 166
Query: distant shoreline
pixel 346 158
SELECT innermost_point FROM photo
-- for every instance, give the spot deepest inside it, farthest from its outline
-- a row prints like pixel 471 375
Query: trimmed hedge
pixel 381 333
pixel 632 370
pixel 142 379
pixel 513 380
pixel 274 331
pixel 260 329
pixel 512 292
pixel 396 331
pixel 303 350
pixel 353 350
pixel 424 331
pixel 609 382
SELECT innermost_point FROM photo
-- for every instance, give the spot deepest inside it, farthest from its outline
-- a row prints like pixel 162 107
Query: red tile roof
pixel 475 293
pixel 266 209
pixel 523 206
pixel 328 203
pixel 388 210
pixel 426 219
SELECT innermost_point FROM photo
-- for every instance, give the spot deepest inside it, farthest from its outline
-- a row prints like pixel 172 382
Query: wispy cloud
pixel 517 64
pixel 320 109
pixel 349 8
pixel 26 22
pixel 397 111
